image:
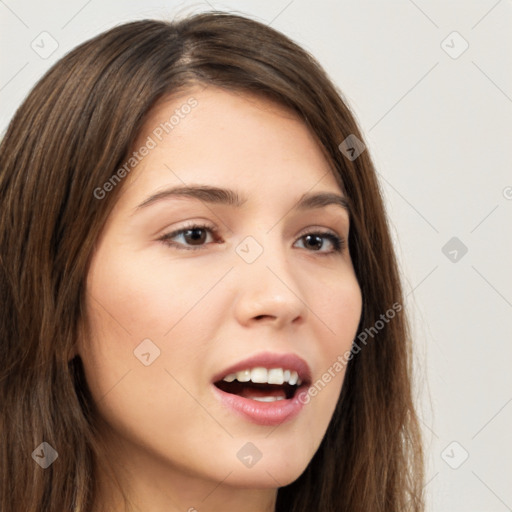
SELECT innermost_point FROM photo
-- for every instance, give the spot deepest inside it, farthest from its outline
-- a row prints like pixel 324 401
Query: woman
pixel 201 307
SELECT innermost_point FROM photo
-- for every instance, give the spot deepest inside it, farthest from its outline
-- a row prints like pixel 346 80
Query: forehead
pixel 225 138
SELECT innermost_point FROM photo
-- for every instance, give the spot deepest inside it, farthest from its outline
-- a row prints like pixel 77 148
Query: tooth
pixel 294 376
pixel 243 376
pixel 259 375
pixel 275 376
pixel 267 398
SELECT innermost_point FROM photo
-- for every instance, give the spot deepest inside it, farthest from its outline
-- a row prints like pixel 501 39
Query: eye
pixel 315 240
pixel 196 236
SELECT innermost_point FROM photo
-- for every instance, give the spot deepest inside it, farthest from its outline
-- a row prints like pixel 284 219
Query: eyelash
pixel 337 242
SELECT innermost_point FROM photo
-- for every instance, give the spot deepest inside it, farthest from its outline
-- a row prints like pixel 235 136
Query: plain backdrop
pixel 430 83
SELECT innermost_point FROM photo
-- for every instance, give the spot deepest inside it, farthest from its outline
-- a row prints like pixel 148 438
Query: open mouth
pixel 262 384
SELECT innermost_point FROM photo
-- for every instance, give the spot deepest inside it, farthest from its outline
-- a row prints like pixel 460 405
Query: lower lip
pixel 263 413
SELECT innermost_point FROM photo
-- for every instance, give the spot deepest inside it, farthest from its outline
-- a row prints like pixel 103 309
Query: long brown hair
pixel 74 130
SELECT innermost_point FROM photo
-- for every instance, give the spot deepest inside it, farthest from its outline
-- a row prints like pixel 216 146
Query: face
pixel 219 293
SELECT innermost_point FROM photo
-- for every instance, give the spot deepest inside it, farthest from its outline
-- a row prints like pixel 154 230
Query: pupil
pixel 317 241
pixel 195 235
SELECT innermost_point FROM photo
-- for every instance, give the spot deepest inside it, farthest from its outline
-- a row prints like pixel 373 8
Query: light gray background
pixel 439 130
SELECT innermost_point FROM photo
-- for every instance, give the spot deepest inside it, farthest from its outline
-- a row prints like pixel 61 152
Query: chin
pixel 276 471
pixel 264 478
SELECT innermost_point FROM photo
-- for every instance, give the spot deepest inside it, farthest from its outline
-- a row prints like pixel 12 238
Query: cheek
pixel 149 295
pixel 339 309
pixel 129 302
pixel 337 304
pixel 140 298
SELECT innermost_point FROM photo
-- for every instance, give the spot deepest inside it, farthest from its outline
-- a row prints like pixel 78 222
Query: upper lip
pixel 269 360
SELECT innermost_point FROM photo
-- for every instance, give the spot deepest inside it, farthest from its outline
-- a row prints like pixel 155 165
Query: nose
pixel 268 292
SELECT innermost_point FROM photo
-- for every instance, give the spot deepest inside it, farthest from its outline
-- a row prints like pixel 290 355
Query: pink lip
pixel 266 413
pixel 270 360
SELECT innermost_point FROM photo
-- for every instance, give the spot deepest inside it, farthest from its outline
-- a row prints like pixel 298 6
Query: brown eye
pixel 315 242
pixel 190 238
pixel 195 236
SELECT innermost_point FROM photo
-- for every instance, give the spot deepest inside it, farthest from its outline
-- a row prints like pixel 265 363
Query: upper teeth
pixel 265 376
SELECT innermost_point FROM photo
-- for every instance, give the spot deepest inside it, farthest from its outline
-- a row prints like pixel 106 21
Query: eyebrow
pixel 224 196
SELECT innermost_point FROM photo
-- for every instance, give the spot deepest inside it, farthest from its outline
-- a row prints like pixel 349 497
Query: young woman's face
pixel 187 288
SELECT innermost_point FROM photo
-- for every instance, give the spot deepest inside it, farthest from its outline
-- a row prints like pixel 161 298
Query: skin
pixel 172 444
